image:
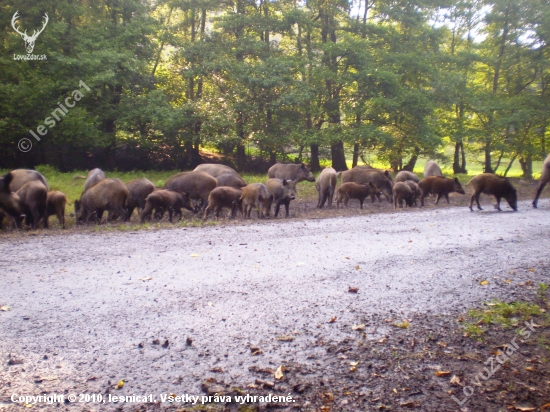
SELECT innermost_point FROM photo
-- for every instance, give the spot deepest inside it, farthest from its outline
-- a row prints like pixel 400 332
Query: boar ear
pixel 7 180
pixel 285 182
pixel 370 184
pixel 304 166
pixel 271 198
pixel 387 173
pixel 260 198
pixel 456 180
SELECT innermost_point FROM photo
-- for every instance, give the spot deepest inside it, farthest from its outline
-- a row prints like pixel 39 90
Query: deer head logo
pixel 29 40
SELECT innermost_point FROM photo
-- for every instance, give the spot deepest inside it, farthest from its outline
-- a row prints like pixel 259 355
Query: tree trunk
pixel 526 166
pixel 315 166
pixel 487 168
pixel 338 156
pixel 411 163
pixel 355 155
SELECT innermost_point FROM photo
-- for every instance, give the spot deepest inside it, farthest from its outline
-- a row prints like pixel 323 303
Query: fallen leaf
pixel 4 308
pixel 194 255
pixel 285 338
pixel 353 369
pixel 357 267
pixel 483 282
pixel 333 319
pixel 530 369
pixel 382 340
pixel 455 380
pixel 146 279
pixel 358 327
pixel 402 325
pixel 407 404
pixel 279 373
pixel 543 407
pixel 508 280
pixel 395 391
pixel 531 270
pixel 354 363
pixel 347 257
pixel 352 290
pixel 524 408
pixel 442 373
pixel 120 384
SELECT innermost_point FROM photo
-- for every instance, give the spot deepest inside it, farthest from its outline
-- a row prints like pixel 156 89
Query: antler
pixel 13 20
pixel 35 34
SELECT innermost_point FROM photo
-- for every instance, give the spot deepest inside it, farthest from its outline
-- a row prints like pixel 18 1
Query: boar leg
pixel 539 191
pixel 287 204
pixel 498 204
pixel 438 197
pixel 447 197
pixel 277 207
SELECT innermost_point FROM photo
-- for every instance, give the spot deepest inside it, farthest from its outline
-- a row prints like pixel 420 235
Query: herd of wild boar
pixel 24 194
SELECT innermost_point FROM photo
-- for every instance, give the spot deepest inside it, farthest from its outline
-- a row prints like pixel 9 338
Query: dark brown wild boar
pixel 230 179
pixel 403 192
pixel 351 190
pixel 224 196
pixel 9 201
pixel 256 196
pixel 283 191
pixel 32 202
pixel 432 169
pixel 440 186
pixel 94 176
pixel 138 190
pixel 107 195
pixel 415 188
pixel 544 178
pixel 405 175
pixel 197 184
pixel 290 171
pixel 55 205
pixel 163 200
pixel 381 179
pixel 498 186
pixel 326 186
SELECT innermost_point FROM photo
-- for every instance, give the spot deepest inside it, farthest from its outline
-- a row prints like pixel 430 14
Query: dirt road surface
pixel 165 310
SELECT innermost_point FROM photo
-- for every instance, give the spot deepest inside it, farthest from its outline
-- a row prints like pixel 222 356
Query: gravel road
pixel 164 310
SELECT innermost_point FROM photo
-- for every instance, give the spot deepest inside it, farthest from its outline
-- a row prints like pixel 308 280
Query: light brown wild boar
pixel 290 171
pixel 351 190
pixel 214 169
pixel 224 196
pixel 381 179
pixel 22 176
pixel 405 175
pixel 544 178
pixel 415 188
pixel 55 205
pixel 326 186
pixel 432 169
pixel 107 195
pixel 230 179
pixel 138 190
pixel 94 176
pixel 283 191
pixel 255 196
pixel 440 186
pixel 402 192
pixel 197 184
pixel 32 202
pixel 163 200
pixel 498 186
pixel 9 201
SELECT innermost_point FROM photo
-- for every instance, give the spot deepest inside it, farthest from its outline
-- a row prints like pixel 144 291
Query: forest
pixel 325 82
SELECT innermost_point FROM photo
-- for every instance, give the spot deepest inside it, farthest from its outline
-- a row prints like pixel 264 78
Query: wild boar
pixel 230 179
pixel 405 175
pixel 351 190
pixel 214 169
pixel 107 194
pixel 32 202
pixel 9 201
pixel 94 176
pixel 415 188
pixel 224 196
pixel 544 178
pixel 432 169
pixel 55 205
pixel 403 192
pixel 197 185
pixel 290 171
pixel 381 179
pixel 498 186
pixel 283 191
pixel 256 196
pixel 163 200
pixel 22 176
pixel 440 186
pixel 326 185
pixel 138 190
